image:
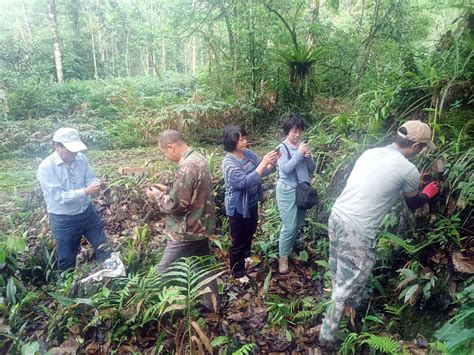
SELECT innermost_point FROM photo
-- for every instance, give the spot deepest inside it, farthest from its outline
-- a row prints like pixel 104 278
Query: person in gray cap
pixel 373 187
pixel 67 182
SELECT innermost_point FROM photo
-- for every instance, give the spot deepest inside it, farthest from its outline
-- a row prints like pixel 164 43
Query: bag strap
pixel 289 155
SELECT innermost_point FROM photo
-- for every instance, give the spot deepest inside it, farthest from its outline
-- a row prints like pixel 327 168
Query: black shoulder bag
pixel 306 195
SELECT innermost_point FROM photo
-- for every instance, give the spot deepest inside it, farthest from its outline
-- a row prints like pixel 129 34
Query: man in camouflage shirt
pixel 188 204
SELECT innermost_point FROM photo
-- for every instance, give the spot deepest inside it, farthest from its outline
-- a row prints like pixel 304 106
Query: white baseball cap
pixel 69 138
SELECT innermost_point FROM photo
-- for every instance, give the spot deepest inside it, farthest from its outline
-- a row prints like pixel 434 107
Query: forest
pixel 121 72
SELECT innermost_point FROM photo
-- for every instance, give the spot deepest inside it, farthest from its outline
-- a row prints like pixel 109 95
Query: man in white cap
pixel 373 187
pixel 67 182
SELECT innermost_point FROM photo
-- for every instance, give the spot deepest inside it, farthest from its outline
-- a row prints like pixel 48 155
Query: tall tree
pixel 56 45
pixel 314 15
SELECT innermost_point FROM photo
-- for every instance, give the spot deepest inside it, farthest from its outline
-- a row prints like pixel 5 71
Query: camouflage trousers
pixel 351 258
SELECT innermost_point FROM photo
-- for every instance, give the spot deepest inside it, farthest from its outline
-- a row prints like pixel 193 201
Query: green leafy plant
pixel 378 343
pixel 266 242
pixel 227 345
pixel 191 277
pixel 457 335
pixel 283 313
pixel 414 284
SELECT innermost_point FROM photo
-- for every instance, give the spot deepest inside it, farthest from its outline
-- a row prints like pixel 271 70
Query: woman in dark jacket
pixel 243 171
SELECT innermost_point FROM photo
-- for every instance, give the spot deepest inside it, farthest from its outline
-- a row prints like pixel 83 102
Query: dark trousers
pixel 241 231
pixel 175 250
pixel 68 231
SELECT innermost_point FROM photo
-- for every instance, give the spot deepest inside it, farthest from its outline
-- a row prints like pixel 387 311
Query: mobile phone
pixel 305 141
pixel 277 149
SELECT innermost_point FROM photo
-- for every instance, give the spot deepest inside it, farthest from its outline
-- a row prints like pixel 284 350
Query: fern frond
pixel 245 349
pixel 383 343
pixel 348 346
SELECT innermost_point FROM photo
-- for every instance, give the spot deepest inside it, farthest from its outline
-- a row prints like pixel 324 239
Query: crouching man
pixel 373 187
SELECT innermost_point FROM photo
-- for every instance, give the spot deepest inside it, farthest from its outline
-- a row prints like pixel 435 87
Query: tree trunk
pixel 232 46
pixel 314 12
pixel 368 42
pixel 193 54
pixel 185 53
pixel 96 74
pixel 252 54
pixel 57 47
pixel 163 55
pixel 4 100
pixel 153 63
pixel 127 65
pixel 291 29
pixel 114 51
pixel 25 18
pixel 378 22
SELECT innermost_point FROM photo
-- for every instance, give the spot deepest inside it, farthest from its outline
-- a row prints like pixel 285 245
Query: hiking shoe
pixel 283 265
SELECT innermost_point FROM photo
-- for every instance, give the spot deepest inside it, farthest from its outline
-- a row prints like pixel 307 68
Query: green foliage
pixel 12 292
pixel 228 346
pixel 266 243
pixel 136 252
pixel 134 302
pixel 191 277
pixel 457 335
pixel 383 344
pixel 245 349
pixel 414 284
pixel 31 348
pixel 301 85
pixel 282 312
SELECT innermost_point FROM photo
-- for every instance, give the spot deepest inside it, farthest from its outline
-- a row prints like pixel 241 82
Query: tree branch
pixel 292 32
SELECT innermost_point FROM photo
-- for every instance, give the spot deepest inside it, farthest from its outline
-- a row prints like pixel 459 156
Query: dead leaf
pixel 74 329
pixel 126 349
pixel 351 313
pixel 70 346
pixel 438 258
pixel 205 340
pixel 92 348
pixel 461 202
pixel 463 263
pixel 438 166
pixel 299 331
pixel 451 206
pixel 314 330
pixel 4 328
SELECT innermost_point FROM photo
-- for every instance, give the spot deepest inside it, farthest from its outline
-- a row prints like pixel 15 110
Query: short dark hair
pixel 231 137
pixel 293 121
pixel 170 136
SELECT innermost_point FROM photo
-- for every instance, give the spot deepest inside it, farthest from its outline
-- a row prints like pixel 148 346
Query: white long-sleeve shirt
pixel 63 185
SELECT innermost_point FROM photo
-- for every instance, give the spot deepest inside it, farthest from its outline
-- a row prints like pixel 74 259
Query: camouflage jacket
pixel 189 204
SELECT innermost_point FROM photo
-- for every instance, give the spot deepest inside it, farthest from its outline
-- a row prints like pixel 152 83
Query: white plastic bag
pixel 112 267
